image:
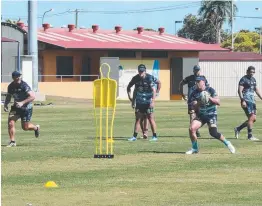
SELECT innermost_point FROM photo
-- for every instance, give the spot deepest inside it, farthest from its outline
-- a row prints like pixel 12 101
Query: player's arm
pixel 7 99
pixel 153 97
pixel 129 86
pixel 181 84
pixel 240 92
pixel 206 82
pixel 158 83
pixel 240 89
pixel 214 98
pixel 30 96
pixel 258 93
pixel 193 105
pixel 134 98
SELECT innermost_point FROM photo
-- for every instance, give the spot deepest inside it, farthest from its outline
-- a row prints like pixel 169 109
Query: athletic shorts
pixel 144 109
pixel 24 113
pixel 250 109
pixel 207 119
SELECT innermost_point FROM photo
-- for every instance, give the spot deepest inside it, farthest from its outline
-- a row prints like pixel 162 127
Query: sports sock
pixel 249 132
pixel 195 145
pixel 239 128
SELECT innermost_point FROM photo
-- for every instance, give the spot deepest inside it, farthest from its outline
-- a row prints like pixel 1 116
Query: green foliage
pixel 217 12
pixel 197 29
pixel 11 21
pixel 245 41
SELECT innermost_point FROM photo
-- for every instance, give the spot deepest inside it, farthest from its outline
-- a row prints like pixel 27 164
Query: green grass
pixel 142 173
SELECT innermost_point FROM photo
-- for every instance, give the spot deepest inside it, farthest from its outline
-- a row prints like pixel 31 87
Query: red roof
pixel 109 39
pixel 4 39
pixel 229 56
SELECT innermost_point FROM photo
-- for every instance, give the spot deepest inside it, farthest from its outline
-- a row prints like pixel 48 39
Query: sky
pixel 168 12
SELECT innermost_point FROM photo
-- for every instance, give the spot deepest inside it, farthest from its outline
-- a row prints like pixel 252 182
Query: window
pixel 122 53
pixel 155 54
pixel 64 66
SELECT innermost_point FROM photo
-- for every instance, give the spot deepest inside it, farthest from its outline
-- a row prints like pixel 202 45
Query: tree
pixel 245 41
pixel 12 21
pixel 197 29
pixel 217 13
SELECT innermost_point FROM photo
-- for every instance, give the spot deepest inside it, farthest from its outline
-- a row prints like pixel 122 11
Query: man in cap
pixel 191 83
pixel 22 107
pixel 246 88
pixel 145 94
pixel 206 113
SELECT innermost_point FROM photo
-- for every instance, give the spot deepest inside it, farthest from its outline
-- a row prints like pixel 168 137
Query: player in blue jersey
pixel 22 107
pixel 205 114
pixel 191 83
pixel 246 88
pixel 145 94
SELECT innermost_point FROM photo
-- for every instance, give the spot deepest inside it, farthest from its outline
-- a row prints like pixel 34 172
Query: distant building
pixel 69 58
pixel 11 35
pixel 224 69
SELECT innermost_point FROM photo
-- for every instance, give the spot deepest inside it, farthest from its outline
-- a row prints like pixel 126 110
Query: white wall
pixel 224 76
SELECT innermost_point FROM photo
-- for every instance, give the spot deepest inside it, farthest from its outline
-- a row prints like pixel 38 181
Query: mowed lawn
pixel 142 173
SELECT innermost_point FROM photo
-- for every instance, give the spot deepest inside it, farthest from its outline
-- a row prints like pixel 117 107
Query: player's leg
pixel 192 116
pixel 194 126
pixel 251 107
pixel 12 118
pixel 152 122
pixel 138 116
pixel 26 124
pixel 212 126
pixel 145 127
pixel 239 128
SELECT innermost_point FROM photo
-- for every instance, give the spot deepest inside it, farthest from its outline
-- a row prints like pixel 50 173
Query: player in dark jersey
pixel 206 113
pixel 246 88
pixel 191 83
pixel 145 94
pixel 22 107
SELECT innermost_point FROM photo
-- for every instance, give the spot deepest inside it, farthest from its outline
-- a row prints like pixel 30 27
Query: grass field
pixel 142 173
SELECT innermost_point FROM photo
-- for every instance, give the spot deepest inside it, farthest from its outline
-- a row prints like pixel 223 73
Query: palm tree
pixel 217 13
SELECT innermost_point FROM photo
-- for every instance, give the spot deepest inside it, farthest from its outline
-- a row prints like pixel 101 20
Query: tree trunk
pixel 218 36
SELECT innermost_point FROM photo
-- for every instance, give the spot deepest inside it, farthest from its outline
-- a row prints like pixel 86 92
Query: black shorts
pixel 211 120
pixel 250 109
pixel 24 113
pixel 144 109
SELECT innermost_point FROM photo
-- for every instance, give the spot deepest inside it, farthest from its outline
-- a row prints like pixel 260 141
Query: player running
pixel 246 88
pixel 191 83
pixel 22 108
pixel 206 113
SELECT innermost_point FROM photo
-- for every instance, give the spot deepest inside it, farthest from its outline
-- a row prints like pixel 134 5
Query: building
pixel 69 58
pixel 224 70
pixel 12 43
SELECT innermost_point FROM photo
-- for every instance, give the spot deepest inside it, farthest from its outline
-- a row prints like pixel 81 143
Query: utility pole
pixel 232 25
pixel 77 11
pixel 76 18
pixel 260 38
pixel 32 40
pixel 177 22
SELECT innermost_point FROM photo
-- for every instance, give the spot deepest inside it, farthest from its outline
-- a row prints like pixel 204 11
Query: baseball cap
pixel 141 68
pixel 196 67
pixel 251 68
pixel 199 78
pixel 16 74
